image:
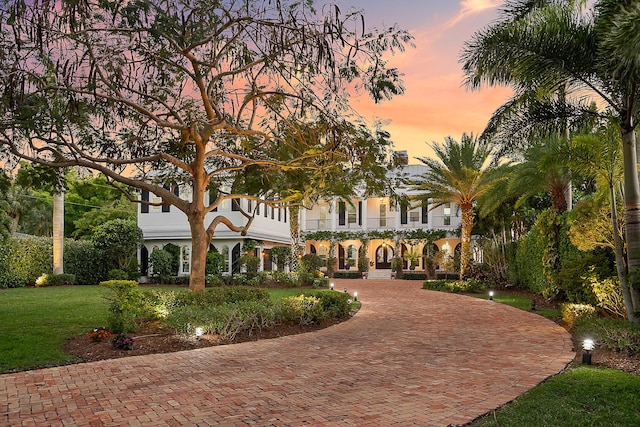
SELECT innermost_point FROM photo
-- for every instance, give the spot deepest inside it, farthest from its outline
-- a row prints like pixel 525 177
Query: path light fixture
pixel 331 285
pixel 587 345
pixel 345 290
pixel 355 296
pixel 199 333
pixel 491 295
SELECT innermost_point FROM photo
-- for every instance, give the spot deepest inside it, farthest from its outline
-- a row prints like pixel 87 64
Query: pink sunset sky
pixel 435 104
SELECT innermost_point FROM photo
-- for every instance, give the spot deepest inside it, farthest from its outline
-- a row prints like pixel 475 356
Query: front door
pixel 384 254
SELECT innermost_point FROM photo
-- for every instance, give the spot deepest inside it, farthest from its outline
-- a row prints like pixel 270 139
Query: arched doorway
pixel 384 253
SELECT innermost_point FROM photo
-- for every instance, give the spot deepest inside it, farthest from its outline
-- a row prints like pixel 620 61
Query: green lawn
pixel 583 396
pixel 517 301
pixel 36 322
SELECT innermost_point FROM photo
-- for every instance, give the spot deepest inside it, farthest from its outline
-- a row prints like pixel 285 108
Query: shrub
pixel 306 310
pixel 161 263
pixel 250 263
pixel 56 280
pixel 347 275
pixel 613 334
pixel 117 274
pixel 571 312
pixel 456 286
pixel 28 258
pixel 118 238
pixel 608 294
pixel 215 263
pixel 310 263
pixel 412 275
pixel 213 280
pixel 525 268
pixel 84 261
pixel 335 304
pixel 127 307
pixel 320 282
pixel 227 320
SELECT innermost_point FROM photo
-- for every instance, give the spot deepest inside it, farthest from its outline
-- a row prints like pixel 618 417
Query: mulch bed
pixel 153 338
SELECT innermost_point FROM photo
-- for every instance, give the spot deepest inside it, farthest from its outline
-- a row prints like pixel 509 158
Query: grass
pixel 523 303
pixel 582 396
pixel 36 322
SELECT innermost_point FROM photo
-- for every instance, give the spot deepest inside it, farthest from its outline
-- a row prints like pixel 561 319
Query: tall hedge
pixel 29 257
pixel 85 261
pixel 25 258
pixel 525 267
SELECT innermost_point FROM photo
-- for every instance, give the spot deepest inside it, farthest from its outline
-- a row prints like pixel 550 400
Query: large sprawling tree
pixel 152 92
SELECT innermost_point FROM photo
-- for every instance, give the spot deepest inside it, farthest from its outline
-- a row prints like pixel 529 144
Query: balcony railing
pixel 385 223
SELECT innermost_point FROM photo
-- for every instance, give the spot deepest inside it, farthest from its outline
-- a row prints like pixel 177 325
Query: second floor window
pixel 447 214
pixel 351 214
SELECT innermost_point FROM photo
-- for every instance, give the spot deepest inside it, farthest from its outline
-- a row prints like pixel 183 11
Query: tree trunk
pixel 58 232
pixel 619 251
pixel 465 252
pixel 199 248
pixel 631 211
pixel 294 229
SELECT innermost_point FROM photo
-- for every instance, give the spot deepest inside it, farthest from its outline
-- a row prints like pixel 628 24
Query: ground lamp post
pixel 587 345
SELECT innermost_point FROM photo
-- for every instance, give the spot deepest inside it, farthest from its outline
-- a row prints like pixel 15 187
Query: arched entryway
pixel 384 253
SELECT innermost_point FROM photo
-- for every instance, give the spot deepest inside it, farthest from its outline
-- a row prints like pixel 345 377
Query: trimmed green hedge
pixel 25 258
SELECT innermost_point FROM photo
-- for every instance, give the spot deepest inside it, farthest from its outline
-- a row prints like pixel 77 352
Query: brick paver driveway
pixel 409 357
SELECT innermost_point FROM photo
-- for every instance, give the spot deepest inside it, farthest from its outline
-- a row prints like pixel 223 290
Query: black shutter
pixel 145 198
pixel 360 212
pixel 166 208
pixel 403 213
pixel 425 212
pixel 342 211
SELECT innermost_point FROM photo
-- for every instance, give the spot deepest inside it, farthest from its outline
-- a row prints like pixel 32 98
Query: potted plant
pixel 412 257
pixel 350 263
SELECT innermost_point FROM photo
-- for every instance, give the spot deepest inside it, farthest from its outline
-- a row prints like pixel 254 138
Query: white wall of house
pixel 166 224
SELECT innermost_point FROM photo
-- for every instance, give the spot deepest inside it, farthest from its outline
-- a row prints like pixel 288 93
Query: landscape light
pixel 355 296
pixel 587 345
pixel 490 295
pixel 345 290
pixel 199 332
pixel 331 285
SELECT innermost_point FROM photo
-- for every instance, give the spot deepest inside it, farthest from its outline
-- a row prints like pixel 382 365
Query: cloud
pixel 471 7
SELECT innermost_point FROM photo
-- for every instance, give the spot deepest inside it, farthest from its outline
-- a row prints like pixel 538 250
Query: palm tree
pixel 553 44
pixel 541 173
pixel 463 174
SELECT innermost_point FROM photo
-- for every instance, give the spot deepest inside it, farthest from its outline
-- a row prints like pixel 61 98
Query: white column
pixel 364 214
pixel 58 232
pixel 334 214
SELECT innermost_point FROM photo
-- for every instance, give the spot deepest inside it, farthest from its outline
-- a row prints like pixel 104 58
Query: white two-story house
pixel 383 222
pixel 374 216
